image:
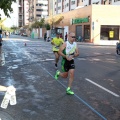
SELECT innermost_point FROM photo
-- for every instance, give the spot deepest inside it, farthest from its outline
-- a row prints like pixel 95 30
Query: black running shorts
pixel 67 65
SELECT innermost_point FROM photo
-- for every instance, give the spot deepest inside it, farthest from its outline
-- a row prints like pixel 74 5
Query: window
pixel 87 32
pixel 59 8
pixel 59 1
pixel 116 0
pixel 37 15
pixel 39 9
pixel 72 2
pixel 109 32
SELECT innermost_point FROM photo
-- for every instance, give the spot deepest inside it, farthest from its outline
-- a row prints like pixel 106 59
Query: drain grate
pixel 5 116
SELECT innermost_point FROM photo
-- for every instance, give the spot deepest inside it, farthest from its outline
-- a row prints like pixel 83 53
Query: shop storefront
pixel 82 31
pixel 99 24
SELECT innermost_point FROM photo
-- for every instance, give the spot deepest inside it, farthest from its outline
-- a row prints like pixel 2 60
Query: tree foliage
pixel 55 19
pixel 42 22
pixel 5 5
pixel 47 26
pixel 2 23
pixel 38 23
pixel 14 28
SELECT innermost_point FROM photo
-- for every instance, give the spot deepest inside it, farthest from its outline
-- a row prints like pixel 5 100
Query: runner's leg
pixel 56 57
pixel 71 74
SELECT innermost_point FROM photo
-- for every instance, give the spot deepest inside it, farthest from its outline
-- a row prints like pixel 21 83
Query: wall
pixel 77 13
pixel 104 15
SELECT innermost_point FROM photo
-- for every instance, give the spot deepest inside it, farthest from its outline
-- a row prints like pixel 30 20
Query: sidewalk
pixel 79 43
pixel 92 44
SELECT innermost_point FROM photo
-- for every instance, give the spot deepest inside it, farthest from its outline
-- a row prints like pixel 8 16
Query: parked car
pixel 24 34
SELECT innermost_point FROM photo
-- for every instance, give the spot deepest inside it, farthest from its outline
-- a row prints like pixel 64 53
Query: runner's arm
pixel 52 42
pixel 76 52
pixel 61 50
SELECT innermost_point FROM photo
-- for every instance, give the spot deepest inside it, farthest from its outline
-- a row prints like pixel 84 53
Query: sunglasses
pixel 73 36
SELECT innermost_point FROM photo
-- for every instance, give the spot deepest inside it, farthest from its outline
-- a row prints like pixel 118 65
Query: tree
pixel 5 5
pixel 14 28
pixel 38 23
pixel 47 26
pixel 1 23
pixel 55 19
pixel 42 22
pixel 35 24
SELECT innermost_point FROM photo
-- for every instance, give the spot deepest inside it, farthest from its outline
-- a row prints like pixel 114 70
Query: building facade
pixel 26 13
pixel 61 6
pixel 29 10
pixel 93 23
pixel 37 9
pixel 20 13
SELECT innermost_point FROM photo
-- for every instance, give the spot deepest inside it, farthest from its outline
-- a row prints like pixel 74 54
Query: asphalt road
pixel 31 70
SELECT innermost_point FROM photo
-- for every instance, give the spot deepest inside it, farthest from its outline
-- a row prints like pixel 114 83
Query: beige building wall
pixel 77 13
pixel 99 14
pixel 104 15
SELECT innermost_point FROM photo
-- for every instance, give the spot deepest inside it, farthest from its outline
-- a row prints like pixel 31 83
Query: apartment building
pixel 37 9
pixel 94 21
pixel 61 6
pixel 23 15
pixel 26 13
pixel 20 13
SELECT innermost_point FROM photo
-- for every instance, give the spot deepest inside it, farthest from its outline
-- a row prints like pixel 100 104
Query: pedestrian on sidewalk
pixel 0 37
pixel 48 40
pixel 45 36
pixel 56 42
pixel 66 37
pixel 68 51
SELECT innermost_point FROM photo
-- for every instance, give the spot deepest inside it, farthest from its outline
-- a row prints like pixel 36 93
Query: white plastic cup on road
pixel 10 96
pixel 6 100
pixel 13 98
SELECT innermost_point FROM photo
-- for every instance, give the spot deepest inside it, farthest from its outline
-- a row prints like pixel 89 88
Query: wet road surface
pixel 31 70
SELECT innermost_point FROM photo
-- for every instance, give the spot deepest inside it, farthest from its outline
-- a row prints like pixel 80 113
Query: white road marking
pixel 2 59
pixel 81 59
pixel 107 53
pixel 102 87
pixel 97 53
pixel 95 59
pixel 47 60
pixel 50 59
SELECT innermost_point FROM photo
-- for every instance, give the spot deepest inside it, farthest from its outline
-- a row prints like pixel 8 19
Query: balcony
pixel 20 18
pixel 20 13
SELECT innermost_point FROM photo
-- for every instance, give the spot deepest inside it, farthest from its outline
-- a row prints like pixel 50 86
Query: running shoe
pixel 56 66
pixel 57 74
pixel 69 91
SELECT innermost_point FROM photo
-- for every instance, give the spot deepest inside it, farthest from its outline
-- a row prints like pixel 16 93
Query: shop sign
pixel 80 20
pixel 111 34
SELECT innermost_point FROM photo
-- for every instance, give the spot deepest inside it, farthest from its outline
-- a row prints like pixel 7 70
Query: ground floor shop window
pixel 109 32
pixel 87 32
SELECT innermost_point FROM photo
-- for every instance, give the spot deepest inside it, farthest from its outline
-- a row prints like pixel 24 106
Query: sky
pixel 9 22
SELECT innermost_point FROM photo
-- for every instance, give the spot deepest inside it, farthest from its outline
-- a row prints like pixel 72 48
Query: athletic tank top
pixel 0 35
pixel 70 48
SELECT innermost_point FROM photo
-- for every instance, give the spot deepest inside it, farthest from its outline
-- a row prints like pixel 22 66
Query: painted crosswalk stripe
pixel 116 95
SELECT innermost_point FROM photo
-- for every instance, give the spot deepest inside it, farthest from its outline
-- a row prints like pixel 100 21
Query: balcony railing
pixel 20 13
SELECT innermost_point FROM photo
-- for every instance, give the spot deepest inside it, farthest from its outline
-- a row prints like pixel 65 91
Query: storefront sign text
pixel 80 20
